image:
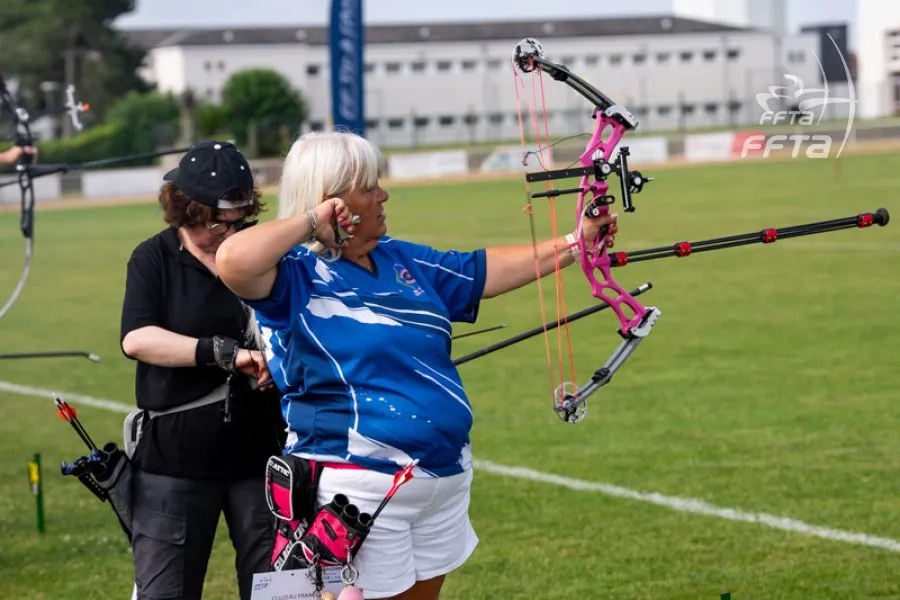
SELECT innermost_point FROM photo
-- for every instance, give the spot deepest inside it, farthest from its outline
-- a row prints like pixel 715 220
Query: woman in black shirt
pixel 199 455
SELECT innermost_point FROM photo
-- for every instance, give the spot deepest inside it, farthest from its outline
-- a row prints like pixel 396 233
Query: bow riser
pixel 594 254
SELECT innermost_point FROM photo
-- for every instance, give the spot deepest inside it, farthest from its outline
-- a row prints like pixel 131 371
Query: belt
pixel 217 395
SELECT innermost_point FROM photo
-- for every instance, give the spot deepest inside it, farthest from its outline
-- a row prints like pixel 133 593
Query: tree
pixel 151 120
pixel 63 42
pixel 263 110
pixel 212 120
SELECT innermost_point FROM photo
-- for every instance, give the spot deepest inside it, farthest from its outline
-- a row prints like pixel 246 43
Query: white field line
pixel 676 503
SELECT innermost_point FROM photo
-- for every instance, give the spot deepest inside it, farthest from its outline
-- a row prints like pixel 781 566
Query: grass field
pixel 769 385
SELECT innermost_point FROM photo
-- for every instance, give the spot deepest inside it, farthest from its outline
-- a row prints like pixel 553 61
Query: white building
pixel 770 15
pixel 878 54
pixel 452 82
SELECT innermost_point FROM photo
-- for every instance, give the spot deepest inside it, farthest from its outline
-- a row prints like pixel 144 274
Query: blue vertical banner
pixel 346 42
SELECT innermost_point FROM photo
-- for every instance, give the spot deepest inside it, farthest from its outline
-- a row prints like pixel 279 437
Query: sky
pixel 217 13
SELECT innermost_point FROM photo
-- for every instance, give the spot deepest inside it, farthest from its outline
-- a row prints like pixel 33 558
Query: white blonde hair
pixel 323 164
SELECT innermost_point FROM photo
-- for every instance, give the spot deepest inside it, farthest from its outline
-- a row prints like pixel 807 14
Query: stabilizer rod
pixel 880 217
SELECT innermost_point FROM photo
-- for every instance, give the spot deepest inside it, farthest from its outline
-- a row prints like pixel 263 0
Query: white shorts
pixel 423 532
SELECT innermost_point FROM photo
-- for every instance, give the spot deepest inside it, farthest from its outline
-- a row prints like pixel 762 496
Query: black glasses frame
pixel 222 227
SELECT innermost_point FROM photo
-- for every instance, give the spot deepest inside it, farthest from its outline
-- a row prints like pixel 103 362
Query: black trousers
pixel 174 528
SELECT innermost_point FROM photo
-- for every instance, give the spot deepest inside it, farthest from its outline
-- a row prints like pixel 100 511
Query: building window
pixel 370 67
pixel 443 65
pixel 372 123
pixel 592 60
pixel 687 109
pixel 312 70
pixel 639 59
pixel 316 125
pixel 709 55
pixel 468 65
pixel 687 56
pixel 392 67
pixel 662 58
pixel 495 118
pixel 207 66
pixel 615 59
pixel 421 121
pixel 711 108
pixel 395 123
pixel 446 120
pixel 733 53
pixel 418 66
pixel 795 56
pixel 663 110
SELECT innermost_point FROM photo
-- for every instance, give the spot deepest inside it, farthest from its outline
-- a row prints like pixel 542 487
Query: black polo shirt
pixel 168 287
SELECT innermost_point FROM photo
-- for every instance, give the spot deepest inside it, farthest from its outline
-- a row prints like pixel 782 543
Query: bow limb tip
pixel 524 52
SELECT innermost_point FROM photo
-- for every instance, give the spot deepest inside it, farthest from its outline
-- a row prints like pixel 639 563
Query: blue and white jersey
pixel 364 358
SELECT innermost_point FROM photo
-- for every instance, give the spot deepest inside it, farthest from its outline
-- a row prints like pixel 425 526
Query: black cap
pixel 209 171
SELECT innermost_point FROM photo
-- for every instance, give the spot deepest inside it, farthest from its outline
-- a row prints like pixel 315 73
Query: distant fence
pixel 698 147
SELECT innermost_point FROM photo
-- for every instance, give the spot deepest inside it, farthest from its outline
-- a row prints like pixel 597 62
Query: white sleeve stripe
pixel 443 268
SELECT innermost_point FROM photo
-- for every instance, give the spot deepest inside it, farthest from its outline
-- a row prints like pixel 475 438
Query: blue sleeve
pixel 291 289
pixel 457 277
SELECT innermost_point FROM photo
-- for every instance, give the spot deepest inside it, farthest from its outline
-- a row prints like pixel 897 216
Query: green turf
pixel 768 385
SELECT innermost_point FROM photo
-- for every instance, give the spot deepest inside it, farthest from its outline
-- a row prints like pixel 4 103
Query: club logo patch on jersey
pixel 404 277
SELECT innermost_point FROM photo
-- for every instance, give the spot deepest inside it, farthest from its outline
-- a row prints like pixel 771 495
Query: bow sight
pixel 632 182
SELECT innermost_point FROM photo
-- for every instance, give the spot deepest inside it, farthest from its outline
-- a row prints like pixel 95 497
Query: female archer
pixel 357 334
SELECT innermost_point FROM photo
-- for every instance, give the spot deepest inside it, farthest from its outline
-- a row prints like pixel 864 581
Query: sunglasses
pixel 221 227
